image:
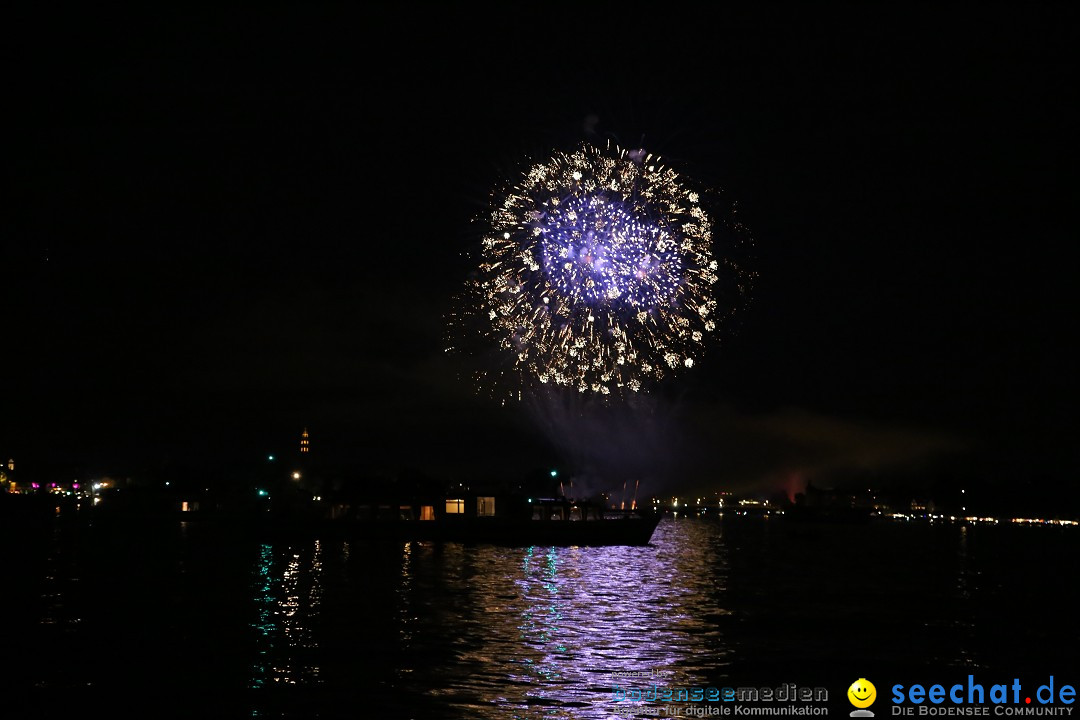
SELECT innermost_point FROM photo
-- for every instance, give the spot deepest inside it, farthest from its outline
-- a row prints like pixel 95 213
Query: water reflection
pixel 405 607
pixel 967 585
pixel 57 584
pixel 423 630
pixel 287 592
pixel 545 632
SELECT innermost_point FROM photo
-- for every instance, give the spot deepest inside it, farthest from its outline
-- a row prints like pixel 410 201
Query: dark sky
pixel 223 228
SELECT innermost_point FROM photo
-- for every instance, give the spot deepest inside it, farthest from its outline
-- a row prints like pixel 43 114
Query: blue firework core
pixel 595 249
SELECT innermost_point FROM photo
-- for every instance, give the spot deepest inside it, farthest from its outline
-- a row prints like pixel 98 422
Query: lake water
pixel 195 621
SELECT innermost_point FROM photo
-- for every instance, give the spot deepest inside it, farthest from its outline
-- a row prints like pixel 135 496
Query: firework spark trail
pixel 597 273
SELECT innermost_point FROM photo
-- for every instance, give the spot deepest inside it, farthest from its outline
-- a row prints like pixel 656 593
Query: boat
pixel 395 514
pixel 506 521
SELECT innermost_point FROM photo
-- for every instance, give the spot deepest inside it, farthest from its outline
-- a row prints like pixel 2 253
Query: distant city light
pixel 270 458
pixel 296 476
pixel 554 473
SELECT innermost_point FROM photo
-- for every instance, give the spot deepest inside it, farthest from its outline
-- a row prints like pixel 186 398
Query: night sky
pixel 224 228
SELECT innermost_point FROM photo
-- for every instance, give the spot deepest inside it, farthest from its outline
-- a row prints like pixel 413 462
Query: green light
pixel 263 493
pixel 271 458
pixel 554 473
pixel 530 499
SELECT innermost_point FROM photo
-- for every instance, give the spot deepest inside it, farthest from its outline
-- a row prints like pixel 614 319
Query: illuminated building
pixel 304 444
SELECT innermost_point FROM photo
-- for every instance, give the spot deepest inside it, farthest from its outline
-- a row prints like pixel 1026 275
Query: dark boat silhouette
pixel 461 516
pixel 482 520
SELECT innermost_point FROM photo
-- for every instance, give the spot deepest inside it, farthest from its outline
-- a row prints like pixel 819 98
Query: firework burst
pixel 597 273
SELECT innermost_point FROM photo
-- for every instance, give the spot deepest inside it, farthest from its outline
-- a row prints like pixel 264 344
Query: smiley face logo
pixel 862 693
